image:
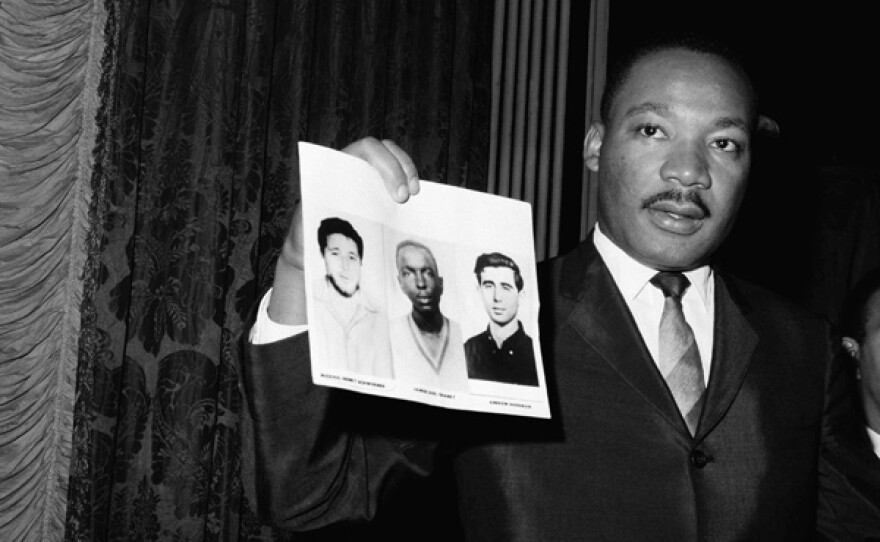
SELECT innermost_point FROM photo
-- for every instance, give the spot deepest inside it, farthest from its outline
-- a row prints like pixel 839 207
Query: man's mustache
pixel 678 196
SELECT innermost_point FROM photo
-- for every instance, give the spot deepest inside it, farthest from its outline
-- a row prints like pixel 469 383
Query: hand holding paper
pixel 394 166
pixel 435 301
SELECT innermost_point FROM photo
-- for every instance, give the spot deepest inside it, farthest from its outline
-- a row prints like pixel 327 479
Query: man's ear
pixel 851 346
pixel 592 145
pixel 768 126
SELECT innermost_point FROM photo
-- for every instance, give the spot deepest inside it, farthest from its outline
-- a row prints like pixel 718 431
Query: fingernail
pixel 402 193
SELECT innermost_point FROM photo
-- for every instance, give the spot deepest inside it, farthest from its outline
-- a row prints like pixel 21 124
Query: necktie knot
pixel 671 283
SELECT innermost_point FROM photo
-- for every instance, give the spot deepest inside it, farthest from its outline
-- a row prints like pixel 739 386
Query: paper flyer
pixel 434 300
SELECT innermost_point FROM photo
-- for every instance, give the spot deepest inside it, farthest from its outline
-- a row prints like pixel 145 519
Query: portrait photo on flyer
pixel 434 300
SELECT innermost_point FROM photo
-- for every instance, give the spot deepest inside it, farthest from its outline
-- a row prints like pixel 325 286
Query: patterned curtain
pixel 202 103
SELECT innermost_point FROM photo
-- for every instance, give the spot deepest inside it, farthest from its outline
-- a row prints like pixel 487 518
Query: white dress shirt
pixel 645 301
pixel 266 330
pixel 875 440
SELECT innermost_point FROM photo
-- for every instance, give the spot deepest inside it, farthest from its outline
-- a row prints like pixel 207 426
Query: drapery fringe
pixel 49 71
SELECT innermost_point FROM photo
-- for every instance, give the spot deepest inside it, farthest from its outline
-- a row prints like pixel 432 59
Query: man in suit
pixel 687 404
pixel 503 352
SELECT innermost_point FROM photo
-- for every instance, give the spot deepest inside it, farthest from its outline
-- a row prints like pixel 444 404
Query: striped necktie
pixel 679 357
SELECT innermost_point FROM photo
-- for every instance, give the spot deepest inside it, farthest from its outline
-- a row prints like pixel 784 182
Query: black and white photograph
pixel 403 301
pixel 350 326
pixel 425 329
pixel 503 351
pixel 439 270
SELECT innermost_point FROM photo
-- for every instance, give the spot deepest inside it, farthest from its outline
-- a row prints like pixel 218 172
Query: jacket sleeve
pixel 849 471
pixel 323 456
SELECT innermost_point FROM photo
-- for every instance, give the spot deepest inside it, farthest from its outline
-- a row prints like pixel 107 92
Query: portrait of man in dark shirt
pixel 503 352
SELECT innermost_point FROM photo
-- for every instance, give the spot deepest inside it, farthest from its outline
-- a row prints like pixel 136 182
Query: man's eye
pixel 649 130
pixel 726 145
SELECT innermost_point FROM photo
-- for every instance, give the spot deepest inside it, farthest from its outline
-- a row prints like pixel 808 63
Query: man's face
pixel 417 276
pixel 500 296
pixel 869 353
pixel 343 264
pixel 674 158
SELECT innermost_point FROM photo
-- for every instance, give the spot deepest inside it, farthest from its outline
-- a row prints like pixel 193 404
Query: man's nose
pixel 687 165
pixel 420 280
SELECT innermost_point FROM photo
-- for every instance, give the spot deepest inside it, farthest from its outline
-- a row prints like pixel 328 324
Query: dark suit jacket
pixel 778 450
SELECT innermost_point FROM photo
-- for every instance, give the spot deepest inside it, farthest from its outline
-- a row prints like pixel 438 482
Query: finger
pixel 385 162
pixel 406 163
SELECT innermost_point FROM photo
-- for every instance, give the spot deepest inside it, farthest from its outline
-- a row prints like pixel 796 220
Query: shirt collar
pixel 632 276
pixel 323 290
pixel 875 439
pixel 512 337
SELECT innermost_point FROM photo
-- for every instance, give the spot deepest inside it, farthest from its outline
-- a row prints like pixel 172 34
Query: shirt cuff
pixel 875 440
pixel 266 331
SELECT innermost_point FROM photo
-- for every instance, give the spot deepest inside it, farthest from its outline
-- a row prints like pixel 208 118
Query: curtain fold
pixel 202 104
pixel 548 71
pixel 49 70
pixel 529 81
pixel 597 59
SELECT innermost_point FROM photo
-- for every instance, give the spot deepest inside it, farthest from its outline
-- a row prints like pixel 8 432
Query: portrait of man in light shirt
pixel 426 344
pixel 350 332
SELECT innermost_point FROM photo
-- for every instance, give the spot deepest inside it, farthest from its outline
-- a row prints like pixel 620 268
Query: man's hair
pixel 856 307
pixel 415 244
pixel 621 68
pixel 496 259
pixel 329 226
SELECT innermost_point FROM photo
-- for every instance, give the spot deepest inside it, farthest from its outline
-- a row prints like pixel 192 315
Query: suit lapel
pixel 734 344
pixel 602 318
